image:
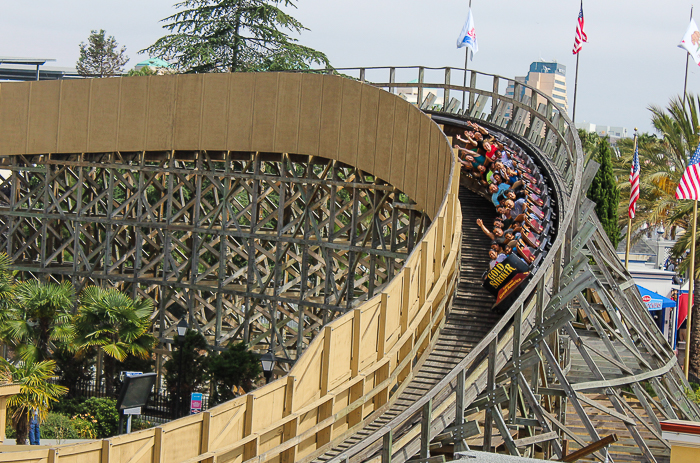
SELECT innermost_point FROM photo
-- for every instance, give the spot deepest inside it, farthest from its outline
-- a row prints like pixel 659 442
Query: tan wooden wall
pixel 310 114
pixel 349 371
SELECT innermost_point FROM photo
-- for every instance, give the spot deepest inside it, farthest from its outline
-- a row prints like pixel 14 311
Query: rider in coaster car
pixel 497 191
pixel 496 258
pixel 495 235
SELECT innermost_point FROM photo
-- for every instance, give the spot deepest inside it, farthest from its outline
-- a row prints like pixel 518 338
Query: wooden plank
pixel 536 439
pixel 187 114
pixel 44 107
pixel 367 136
pixel 159 115
pixel 265 111
pixel 240 111
pixel 385 135
pixel 14 109
pixel 74 117
pixel 215 100
pixel 591 448
pixel 331 113
pixel 133 102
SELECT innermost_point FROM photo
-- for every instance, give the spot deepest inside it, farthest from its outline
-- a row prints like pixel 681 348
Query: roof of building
pixel 153 62
pixel 31 61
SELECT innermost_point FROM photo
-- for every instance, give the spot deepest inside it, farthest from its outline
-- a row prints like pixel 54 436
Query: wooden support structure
pixel 587 450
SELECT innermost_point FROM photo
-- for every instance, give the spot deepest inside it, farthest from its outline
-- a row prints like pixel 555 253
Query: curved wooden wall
pixel 360 360
pixel 311 114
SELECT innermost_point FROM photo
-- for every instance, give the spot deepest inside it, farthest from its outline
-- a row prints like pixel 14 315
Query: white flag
pixel 691 41
pixel 467 38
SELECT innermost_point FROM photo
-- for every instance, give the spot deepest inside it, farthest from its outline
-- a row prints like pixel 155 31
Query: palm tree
pixel 6 286
pixel 39 317
pixel 36 392
pixel 114 323
pixel 662 163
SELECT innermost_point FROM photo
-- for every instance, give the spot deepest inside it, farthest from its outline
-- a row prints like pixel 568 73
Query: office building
pixel 549 78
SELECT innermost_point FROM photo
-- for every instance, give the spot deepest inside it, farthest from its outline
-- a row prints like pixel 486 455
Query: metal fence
pixel 160 407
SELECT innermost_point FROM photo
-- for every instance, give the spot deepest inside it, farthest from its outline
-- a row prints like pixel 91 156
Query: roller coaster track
pixel 398 364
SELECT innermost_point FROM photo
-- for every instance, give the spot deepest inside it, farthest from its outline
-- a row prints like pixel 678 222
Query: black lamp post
pixel 182 327
pixel 268 361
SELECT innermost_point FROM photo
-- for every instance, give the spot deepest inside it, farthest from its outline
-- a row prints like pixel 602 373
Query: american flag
pixel 580 35
pixel 689 186
pixel 634 182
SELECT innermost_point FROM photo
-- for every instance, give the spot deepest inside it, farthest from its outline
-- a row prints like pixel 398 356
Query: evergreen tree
pixel 236 366
pixel 233 35
pixel 186 370
pixel 605 193
pixel 100 57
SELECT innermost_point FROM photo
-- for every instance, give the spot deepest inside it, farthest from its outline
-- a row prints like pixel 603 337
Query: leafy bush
pixel 138 424
pixel 69 407
pixel 105 412
pixel 693 393
pixel 57 426
pixel 85 426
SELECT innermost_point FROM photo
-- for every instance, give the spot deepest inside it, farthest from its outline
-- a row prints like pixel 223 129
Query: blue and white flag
pixel 467 38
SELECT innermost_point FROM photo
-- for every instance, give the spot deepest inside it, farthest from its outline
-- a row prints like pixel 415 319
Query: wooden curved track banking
pixel 350 368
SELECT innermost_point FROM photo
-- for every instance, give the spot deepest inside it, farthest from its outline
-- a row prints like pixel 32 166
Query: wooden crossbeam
pixel 223 235
pixel 591 448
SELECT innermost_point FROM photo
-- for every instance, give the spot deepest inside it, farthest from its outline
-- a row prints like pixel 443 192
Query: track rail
pixel 468 321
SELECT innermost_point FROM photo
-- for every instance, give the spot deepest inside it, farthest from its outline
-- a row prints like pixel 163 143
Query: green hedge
pixel 82 418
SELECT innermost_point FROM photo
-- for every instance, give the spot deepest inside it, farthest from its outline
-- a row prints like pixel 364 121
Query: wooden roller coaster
pixel 320 215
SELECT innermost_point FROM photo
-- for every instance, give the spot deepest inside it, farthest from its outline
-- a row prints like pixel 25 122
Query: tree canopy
pixel 236 366
pixel 234 35
pixel 605 193
pixel 101 56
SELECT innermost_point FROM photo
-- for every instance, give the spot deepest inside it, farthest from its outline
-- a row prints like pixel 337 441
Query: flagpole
pixel 691 281
pixel 687 55
pixel 573 115
pixel 464 92
pixel 466 61
pixel 629 217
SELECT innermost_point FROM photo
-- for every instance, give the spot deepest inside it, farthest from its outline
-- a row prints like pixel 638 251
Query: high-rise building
pixel 549 78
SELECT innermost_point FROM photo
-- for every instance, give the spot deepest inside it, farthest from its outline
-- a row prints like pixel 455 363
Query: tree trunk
pixel 694 335
pixel 22 429
pixel 43 347
pixel 236 41
pixel 110 364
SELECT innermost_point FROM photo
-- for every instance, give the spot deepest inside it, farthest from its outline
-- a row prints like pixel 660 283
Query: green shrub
pixel 105 412
pixel 694 396
pixel 67 406
pixel 138 424
pixel 57 426
pixel 85 426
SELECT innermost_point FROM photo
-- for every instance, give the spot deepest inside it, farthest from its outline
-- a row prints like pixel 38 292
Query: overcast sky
pixel 630 61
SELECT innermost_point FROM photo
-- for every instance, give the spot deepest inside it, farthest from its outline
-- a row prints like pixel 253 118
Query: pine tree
pixel 233 35
pixel 100 57
pixel 605 193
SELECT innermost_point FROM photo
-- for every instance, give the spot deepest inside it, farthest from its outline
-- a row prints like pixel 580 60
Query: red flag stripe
pixel 580 35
